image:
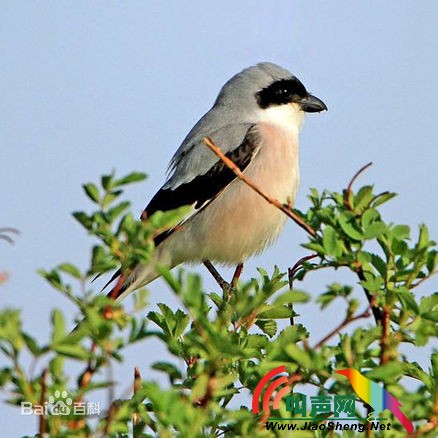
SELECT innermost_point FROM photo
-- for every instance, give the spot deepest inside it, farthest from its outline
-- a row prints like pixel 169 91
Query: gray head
pixel 265 85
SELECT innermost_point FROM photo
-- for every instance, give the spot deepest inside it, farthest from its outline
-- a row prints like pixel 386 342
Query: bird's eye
pixel 280 92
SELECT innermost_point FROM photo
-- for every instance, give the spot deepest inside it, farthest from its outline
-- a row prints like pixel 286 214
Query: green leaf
pixel 110 197
pixel 382 198
pixel 131 178
pixel 107 181
pixel 92 191
pixel 292 296
pixel 32 345
pixel 401 232
pixel 423 238
pixel 430 316
pixel 389 371
pixel 256 341
pixel 56 366
pixel 379 264
pixel 369 216
pixel 313 246
pixel 407 299
pixel 58 324
pixel 329 240
pixel 73 351
pixel 170 369
pixel 70 269
pixel 299 356
pixel 414 370
pixel 83 219
pixel 292 334
pixel 267 326
pixel 374 230
pixel 117 210
pixel 181 322
pixel 363 197
pixel 276 312
pixel 432 261
pixel 169 219
pixel 349 227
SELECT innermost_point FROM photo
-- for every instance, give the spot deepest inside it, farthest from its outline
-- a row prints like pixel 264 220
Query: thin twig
pixel 291 276
pixel 385 335
pixel 43 421
pixel 349 319
pixel 426 277
pixel 83 383
pixel 237 274
pixel 213 271
pixel 350 184
pixel 110 416
pixel 136 387
pixel 232 166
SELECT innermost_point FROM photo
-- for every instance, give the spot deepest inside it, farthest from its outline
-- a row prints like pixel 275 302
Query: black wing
pixel 204 188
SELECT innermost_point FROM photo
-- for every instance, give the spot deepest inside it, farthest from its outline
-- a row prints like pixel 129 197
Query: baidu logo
pixel 60 404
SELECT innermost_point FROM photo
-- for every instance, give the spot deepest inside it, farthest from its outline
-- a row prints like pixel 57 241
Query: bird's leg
pixel 236 275
pixel 213 271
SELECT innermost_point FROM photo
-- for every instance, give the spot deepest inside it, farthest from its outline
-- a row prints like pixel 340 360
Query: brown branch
pixel 136 387
pixel 83 383
pixel 237 274
pixel 385 335
pixel 419 282
pixel 349 319
pixel 218 277
pixel 347 202
pixel 232 166
pixel 110 417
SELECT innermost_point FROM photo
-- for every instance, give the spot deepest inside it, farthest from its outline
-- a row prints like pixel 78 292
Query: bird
pixel 255 121
pixel 376 396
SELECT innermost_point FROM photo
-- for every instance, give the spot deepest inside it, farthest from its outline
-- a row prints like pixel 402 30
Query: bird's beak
pixel 343 372
pixel 311 104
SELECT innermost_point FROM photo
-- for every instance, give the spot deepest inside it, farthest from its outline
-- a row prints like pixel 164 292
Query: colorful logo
pixel 325 407
pixel 376 396
pixel 266 399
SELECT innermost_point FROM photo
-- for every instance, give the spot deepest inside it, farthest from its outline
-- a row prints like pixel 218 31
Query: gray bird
pixel 255 121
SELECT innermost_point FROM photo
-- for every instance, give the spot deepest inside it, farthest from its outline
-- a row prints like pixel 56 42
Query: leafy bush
pixel 229 339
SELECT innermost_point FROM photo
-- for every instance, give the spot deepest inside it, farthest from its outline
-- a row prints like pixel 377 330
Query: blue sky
pixel 87 87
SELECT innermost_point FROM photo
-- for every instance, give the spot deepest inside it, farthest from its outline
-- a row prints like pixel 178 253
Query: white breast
pixel 239 222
